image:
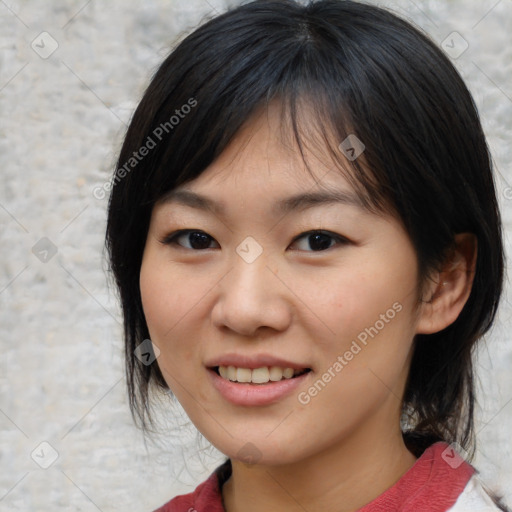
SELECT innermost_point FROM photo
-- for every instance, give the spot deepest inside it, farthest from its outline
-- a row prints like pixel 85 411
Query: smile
pixel 261 375
pixel 258 386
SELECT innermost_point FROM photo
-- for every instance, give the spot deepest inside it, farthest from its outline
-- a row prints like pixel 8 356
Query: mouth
pixel 262 375
pixel 257 386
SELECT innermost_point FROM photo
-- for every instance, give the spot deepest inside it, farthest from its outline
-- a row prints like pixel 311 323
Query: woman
pixel 303 222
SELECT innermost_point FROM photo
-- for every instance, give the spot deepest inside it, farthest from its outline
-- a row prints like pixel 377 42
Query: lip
pixel 252 362
pixel 249 394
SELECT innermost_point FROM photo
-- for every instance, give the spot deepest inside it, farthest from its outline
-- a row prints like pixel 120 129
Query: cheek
pixel 366 310
pixel 347 300
pixel 155 297
pixel 165 300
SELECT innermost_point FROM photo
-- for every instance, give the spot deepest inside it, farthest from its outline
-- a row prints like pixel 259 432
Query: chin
pixel 258 449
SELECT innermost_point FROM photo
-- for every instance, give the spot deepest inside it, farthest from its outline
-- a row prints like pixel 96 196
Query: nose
pixel 252 299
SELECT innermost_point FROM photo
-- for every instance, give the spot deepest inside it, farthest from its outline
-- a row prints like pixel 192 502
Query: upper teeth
pixel 258 375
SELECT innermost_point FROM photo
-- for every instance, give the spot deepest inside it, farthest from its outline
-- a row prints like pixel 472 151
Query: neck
pixel 342 478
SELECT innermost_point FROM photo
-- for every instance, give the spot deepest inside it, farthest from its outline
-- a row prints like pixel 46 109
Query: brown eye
pixel 317 241
pixel 190 239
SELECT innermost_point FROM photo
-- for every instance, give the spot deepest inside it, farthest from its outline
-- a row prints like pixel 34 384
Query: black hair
pixel 360 70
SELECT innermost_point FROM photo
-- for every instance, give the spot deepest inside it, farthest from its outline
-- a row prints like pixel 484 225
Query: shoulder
pixel 474 498
pixel 207 496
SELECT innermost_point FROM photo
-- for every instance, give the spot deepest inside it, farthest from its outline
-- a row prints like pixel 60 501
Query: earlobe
pixel 450 287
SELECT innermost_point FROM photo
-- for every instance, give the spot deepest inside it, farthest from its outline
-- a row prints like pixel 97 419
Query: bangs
pixel 318 119
pixel 328 133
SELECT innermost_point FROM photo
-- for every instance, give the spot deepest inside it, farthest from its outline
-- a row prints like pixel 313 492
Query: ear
pixel 449 288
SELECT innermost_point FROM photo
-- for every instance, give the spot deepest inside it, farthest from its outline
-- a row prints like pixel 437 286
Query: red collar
pixel 433 484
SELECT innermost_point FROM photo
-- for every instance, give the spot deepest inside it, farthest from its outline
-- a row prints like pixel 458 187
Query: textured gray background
pixel 61 373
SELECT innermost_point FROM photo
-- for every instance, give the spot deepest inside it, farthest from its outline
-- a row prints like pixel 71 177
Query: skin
pixel 343 448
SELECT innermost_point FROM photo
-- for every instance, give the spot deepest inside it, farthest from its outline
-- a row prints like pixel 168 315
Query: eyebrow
pixel 298 202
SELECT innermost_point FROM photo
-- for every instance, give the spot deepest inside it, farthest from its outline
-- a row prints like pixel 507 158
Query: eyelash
pixel 172 238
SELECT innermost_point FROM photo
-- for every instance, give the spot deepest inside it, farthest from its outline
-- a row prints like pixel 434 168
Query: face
pixel 258 271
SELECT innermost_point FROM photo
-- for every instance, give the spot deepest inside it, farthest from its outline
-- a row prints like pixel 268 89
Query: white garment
pixel 474 498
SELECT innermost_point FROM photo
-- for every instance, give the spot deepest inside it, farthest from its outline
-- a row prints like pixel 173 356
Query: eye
pixel 316 241
pixel 197 240
pixel 190 239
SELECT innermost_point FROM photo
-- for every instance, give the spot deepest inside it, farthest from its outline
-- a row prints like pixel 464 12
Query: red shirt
pixel 433 484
